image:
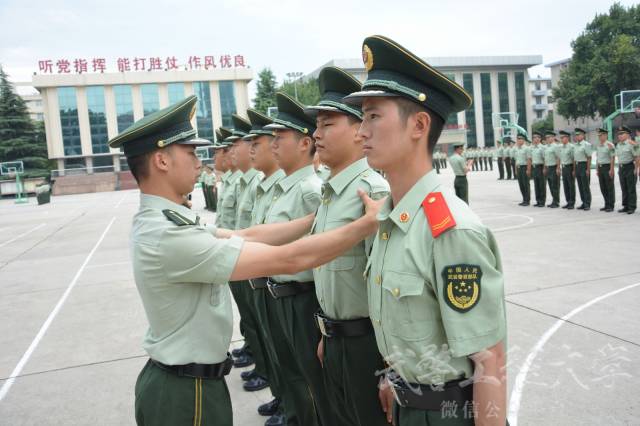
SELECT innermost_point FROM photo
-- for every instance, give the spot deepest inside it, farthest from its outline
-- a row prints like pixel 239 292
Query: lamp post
pixel 295 76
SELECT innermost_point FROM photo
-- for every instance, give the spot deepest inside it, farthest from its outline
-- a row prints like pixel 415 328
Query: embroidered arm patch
pixel 462 285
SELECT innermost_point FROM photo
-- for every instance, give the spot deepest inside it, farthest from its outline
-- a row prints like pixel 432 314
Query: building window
pixel 124 106
pixel 150 98
pixel 485 85
pixel 227 102
pixel 97 119
pixel 521 106
pixel 204 116
pixel 69 121
pixel 74 163
pixel 538 114
pixel 176 92
pixel 537 85
pixel 503 91
pixel 470 113
pixel 103 163
pixel 452 120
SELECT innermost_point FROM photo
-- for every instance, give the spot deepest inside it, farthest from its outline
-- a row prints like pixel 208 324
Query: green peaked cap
pixel 335 83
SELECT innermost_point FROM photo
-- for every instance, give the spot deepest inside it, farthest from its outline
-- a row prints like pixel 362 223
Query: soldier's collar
pixel 235 176
pixel 226 175
pixel 161 203
pixel 409 206
pixel 287 182
pixel 249 174
pixel 346 176
pixel 269 181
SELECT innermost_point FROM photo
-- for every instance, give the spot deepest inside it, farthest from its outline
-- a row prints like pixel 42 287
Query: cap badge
pixel 367 57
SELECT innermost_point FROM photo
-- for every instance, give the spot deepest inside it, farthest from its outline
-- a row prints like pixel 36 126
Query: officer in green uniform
pixel 552 167
pixel 537 170
pixel 347 349
pixel 605 166
pixel 523 164
pixel 460 168
pixel 512 153
pixel 431 257
pixel 181 271
pixel 582 156
pixel 227 203
pixel 507 155
pixel 500 159
pixel 627 154
pixel 568 170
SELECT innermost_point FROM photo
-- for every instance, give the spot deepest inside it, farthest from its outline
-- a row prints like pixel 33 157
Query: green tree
pixel 544 124
pixel 605 60
pixel 20 138
pixel 307 91
pixel 265 91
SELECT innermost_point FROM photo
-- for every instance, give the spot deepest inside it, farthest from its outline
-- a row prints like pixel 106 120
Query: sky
pixel 285 35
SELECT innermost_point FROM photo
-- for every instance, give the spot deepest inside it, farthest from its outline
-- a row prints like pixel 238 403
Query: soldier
pixel 627 155
pixel 507 155
pixel 431 256
pixel 552 168
pixel 512 153
pixel 490 155
pixel 582 155
pixel 568 170
pixel 605 165
pixel 460 168
pixel 537 164
pixel 182 269
pixel 523 164
pixel 436 162
pixel 226 210
pixel 500 159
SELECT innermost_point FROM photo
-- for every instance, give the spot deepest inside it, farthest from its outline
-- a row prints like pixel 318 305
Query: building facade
pixel 541 89
pixel 82 112
pixel 497 84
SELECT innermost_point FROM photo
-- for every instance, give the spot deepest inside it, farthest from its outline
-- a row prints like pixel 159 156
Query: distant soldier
pixel 552 167
pixel 627 152
pixel 582 156
pixel 512 153
pixel 605 165
pixel 537 165
pixel 507 156
pixel 499 152
pixel 523 163
pixel 568 170
pixel 460 167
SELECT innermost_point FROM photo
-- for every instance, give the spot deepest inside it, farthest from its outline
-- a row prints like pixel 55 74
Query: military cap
pixel 522 136
pixel 335 83
pixel 394 71
pixel 171 125
pixel 241 127
pixel 258 122
pixel 458 144
pixel 564 133
pixel 218 144
pixel 291 116
pixel 507 139
pixel 536 133
pixel 550 133
pixel 601 130
pixel 624 129
pixel 579 131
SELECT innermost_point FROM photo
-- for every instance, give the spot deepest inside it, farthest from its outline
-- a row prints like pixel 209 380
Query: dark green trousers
pixel 539 187
pixel 213 198
pixel 583 183
pixel 606 185
pixel 553 180
pixel 507 163
pixel 524 184
pixel 500 168
pixel 457 416
pixel 349 369
pixel 205 193
pixel 163 398
pixel 628 186
pixel 249 324
pixel 296 318
pixel 569 184
pixel 513 167
pixel 461 187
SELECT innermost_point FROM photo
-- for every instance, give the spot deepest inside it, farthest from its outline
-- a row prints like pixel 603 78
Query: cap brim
pixel 276 126
pixel 312 111
pixel 357 98
pixel 195 142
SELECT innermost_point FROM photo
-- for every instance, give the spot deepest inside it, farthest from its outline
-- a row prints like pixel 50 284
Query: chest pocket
pixel 409 309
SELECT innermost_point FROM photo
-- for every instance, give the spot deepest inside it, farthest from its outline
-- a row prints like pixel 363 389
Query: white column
pixel 163 95
pixel 511 83
pixel 477 95
pixel 83 121
pixel 110 108
pixel 216 109
pixel 136 100
pixel 241 96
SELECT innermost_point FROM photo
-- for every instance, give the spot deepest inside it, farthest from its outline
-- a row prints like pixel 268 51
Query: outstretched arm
pixel 274 234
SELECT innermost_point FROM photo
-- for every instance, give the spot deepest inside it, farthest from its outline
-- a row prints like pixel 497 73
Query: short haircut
pixel 299 136
pixel 407 108
pixel 139 165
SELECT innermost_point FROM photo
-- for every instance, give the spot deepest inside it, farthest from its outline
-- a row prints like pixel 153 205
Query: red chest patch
pixel 437 213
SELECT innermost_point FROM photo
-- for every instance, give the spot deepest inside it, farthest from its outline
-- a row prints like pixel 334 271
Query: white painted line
pixel 521 378
pixel 22 235
pixel 25 358
pixel 529 221
pixel 120 202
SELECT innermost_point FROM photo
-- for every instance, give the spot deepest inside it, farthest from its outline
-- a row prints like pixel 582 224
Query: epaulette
pixel 177 218
pixel 437 213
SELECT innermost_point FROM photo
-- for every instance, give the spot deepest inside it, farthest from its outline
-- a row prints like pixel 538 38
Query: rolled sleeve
pixel 194 255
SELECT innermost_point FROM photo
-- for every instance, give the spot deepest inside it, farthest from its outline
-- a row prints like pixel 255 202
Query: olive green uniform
pixel 537 171
pixel 551 158
pixel 627 153
pixel 582 155
pixel 522 156
pixel 605 153
pixel 512 155
pixel 500 159
pixel 460 184
pixel 568 178
pixel 228 202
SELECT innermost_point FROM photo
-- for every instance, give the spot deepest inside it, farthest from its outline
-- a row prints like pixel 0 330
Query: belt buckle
pixel 270 286
pixel 321 325
pixel 253 287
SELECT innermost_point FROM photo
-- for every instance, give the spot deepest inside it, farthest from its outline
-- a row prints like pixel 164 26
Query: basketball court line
pixel 24 234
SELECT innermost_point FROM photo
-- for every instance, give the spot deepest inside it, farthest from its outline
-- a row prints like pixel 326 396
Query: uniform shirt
pixel 537 154
pixel 523 154
pixel 604 152
pixel 223 186
pixel 228 202
pixel 295 196
pixel 246 196
pixel 551 154
pixel 340 285
pixel 566 154
pixel 323 172
pixel 181 273
pixel 500 152
pixel 458 164
pixel 264 197
pixel 415 284
pixel 512 152
pixel 625 152
pixel 582 151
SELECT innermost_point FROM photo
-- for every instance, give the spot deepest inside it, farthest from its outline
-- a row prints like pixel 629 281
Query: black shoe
pixel 566 206
pixel 248 375
pixel 525 204
pixel 604 208
pixel 243 361
pixel 631 211
pixel 608 210
pixel 553 206
pixel 240 351
pixel 276 420
pixel 256 384
pixel 270 408
pixel 521 204
pixel 581 207
pixel 624 210
pixel 570 207
pixel 586 208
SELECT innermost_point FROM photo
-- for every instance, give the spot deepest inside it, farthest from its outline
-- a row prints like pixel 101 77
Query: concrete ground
pixel 71 321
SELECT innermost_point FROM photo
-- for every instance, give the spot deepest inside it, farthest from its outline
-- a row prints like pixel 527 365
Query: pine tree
pixel 265 91
pixel 20 138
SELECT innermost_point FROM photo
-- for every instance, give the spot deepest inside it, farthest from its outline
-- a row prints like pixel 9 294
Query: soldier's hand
pixel 320 351
pixel 611 173
pixel 371 208
pixel 385 394
pixel 558 172
pixel 588 172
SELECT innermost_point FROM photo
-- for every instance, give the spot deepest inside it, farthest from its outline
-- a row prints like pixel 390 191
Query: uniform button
pixel 378 279
pixel 377 321
pixel 396 292
pixel 385 236
pixel 275 198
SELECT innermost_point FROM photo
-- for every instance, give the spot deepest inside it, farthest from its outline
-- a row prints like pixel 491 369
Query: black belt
pixel 428 397
pixel 291 288
pixel 581 161
pixel 602 165
pixel 538 165
pixel 626 164
pixel 258 283
pixel 343 328
pixel 199 371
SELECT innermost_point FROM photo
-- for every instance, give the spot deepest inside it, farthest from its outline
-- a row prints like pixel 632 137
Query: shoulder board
pixel 375 181
pixel 177 218
pixel 437 213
